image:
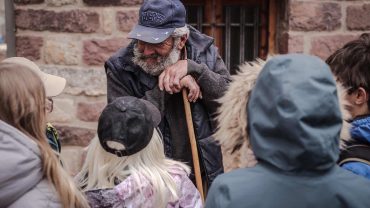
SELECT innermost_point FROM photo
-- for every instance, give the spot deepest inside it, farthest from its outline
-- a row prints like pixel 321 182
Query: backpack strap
pixel 355 153
pixel 53 139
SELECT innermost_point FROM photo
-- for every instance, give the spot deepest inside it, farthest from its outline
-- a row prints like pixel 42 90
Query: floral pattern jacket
pixel 129 195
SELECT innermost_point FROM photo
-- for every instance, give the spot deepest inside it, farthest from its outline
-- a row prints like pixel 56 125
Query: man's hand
pixel 170 78
pixel 194 90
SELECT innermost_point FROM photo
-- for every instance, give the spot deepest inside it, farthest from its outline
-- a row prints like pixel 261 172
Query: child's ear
pixel 362 96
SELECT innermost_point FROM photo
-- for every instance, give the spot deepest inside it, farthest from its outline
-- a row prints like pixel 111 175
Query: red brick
pixel 291 43
pixel 313 16
pixel 28 1
pixel 29 47
pixel 90 111
pixel 126 20
pixel 324 46
pixel 358 17
pixel 77 21
pixel 96 52
pixel 112 2
pixel 75 136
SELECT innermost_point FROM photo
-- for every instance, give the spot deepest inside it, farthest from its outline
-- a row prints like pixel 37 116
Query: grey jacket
pixel 125 78
pixel 294 122
pixel 21 179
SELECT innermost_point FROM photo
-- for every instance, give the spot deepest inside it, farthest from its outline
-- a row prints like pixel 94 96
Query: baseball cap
pixel 54 85
pixel 129 121
pixel 158 19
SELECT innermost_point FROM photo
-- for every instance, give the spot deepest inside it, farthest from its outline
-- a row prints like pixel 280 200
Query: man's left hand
pixel 170 78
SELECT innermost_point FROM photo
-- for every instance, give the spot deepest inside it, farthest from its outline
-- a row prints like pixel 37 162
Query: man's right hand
pixel 194 90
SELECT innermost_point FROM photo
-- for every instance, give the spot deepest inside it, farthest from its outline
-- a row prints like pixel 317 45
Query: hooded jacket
pixel 22 183
pixel 124 78
pixel 294 123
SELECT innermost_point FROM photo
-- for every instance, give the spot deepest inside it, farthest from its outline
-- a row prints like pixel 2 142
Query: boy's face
pixel 357 102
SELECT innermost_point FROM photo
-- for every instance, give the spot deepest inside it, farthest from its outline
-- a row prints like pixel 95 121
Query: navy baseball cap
pixel 158 19
pixel 129 121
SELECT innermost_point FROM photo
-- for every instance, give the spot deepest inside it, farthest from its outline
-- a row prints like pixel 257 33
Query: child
pixel 54 85
pixel 31 175
pixel 351 66
pixel 127 167
pixel 294 122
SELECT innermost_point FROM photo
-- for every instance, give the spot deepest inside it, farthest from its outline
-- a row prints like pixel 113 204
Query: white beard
pixel 162 62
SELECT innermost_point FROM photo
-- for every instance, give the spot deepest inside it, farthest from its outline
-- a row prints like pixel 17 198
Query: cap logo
pixel 152 17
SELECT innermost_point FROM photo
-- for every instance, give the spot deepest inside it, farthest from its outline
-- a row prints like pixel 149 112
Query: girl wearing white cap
pixel 53 85
pixel 31 175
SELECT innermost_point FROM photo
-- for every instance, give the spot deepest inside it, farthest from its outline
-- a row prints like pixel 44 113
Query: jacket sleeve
pixel 213 83
pixel 118 88
pixel 190 196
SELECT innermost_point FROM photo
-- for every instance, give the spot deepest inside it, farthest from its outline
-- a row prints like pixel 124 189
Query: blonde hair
pixel 102 169
pixel 22 105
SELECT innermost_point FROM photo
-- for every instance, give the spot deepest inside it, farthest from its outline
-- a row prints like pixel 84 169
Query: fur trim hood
pixel 232 117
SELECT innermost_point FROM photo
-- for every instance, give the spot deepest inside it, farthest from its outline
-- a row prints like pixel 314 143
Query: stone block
pixel 324 46
pixel 75 21
pixel 90 111
pixel 29 47
pixel 314 16
pixel 358 17
pixel 62 111
pixel 28 1
pixel 73 158
pixel 113 2
pixel 58 3
pixel 96 52
pixel 126 20
pixel 61 52
pixel 108 21
pixel 74 136
pixel 81 81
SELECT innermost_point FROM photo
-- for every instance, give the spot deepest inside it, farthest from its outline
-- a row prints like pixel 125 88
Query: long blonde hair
pixel 102 169
pixel 22 105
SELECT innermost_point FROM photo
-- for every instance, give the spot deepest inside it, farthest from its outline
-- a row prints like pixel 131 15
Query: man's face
pixel 154 58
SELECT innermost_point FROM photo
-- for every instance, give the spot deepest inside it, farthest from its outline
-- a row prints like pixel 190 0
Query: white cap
pixel 54 85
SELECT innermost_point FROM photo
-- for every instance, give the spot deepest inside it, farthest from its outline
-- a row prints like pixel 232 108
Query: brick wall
pixel 319 27
pixel 73 38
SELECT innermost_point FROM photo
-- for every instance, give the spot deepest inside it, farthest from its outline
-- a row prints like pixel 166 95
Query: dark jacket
pixel 294 122
pixel 125 78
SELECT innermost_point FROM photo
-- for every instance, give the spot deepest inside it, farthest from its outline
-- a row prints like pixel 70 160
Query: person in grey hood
pixel 294 122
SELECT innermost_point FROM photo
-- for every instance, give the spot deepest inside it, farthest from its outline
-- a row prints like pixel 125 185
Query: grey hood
pixel 294 119
pixel 20 164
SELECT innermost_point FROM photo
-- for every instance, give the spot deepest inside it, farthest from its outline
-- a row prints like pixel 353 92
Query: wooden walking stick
pixel 193 143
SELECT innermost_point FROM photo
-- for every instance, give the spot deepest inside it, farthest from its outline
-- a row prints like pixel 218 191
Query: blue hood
pixel 294 118
pixel 360 129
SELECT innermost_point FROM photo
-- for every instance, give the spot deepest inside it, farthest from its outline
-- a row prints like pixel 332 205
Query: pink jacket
pixel 127 193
